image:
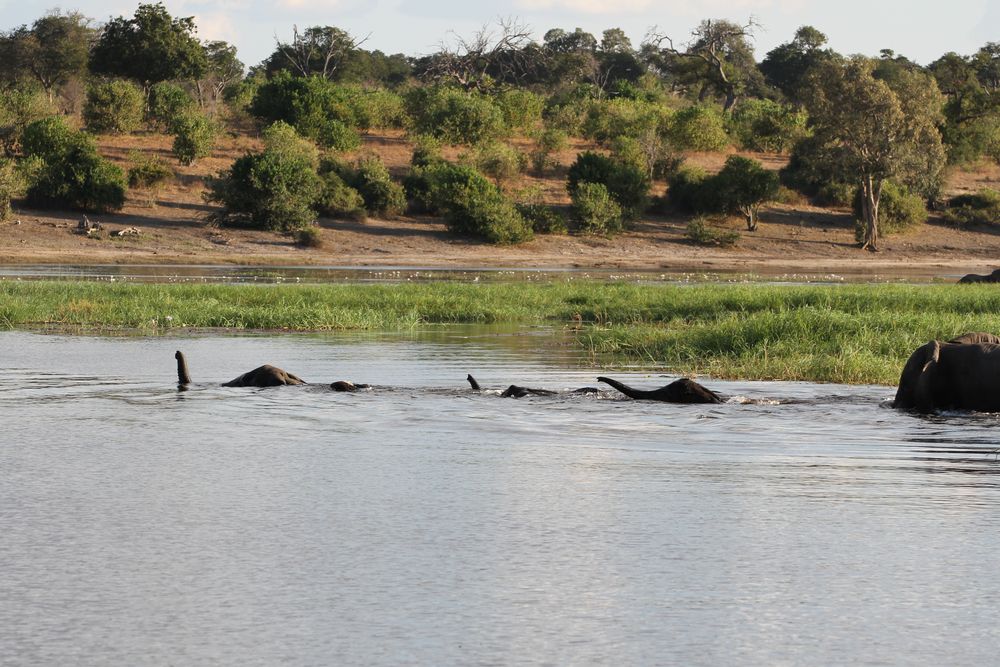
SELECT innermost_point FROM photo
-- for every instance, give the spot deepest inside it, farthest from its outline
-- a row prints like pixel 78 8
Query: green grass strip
pixel 843 333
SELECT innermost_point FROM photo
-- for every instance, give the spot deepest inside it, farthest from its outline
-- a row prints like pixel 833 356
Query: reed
pixel 844 333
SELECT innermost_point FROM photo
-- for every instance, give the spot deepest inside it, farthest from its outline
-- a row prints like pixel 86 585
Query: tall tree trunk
pixel 871 192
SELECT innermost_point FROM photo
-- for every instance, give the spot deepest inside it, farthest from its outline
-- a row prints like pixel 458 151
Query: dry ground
pixel 796 238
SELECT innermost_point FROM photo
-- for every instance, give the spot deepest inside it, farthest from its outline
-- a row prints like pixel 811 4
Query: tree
pixel 870 132
pixel 316 51
pixel 721 54
pixel 744 185
pixel 785 66
pixel 54 49
pixel 223 68
pixel 493 53
pixel 150 47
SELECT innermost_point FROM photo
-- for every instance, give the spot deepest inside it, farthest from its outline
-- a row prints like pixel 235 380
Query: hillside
pixel 793 238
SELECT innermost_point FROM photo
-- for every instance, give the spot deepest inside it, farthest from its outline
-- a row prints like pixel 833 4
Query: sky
pixel 921 30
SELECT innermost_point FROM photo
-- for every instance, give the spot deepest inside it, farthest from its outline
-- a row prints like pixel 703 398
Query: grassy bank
pixel 854 334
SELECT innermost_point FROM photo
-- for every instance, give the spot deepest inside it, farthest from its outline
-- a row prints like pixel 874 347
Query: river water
pixel 424 523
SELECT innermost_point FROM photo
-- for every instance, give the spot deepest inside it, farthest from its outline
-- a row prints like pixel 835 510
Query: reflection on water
pixel 424 523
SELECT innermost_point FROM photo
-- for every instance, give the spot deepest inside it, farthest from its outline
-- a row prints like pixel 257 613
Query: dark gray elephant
pixel 516 391
pixel 976 278
pixel 678 391
pixel 262 376
pixel 961 374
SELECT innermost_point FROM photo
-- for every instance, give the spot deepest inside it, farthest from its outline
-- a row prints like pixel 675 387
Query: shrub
pixel 765 125
pixel 814 177
pixel 168 104
pixel 308 237
pixel 607 120
pixel 427 186
pixel 743 185
pixel 378 109
pixel 454 116
pixel 316 108
pixel 485 213
pixel 981 208
pixel 19 108
pixel 426 150
pixel 275 189
pixel 521 109
pixel 381 194
pixel 339 200
pixel 337 135
pixel 500 161
pixel 194 137
pixel 685 189
pixel 147 171
pixel 550 140
pixel 69 172
pixel 700 232
pixel 595 211
pixel 10 185
pixel 114 107
pixel 543 219
pixel 898 210
pixel 699 128
pixel 626 183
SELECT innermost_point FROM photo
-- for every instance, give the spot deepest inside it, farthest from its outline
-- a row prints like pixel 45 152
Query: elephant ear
pixel 927 380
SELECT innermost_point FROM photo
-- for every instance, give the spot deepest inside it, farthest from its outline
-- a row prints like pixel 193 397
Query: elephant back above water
pixel 962 374
pixel 976 278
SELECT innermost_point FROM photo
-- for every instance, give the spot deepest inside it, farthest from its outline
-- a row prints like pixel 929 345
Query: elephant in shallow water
pixel 961 374
pixel 262 376
pixel 678 391
pixel 976 278
pixel 516 391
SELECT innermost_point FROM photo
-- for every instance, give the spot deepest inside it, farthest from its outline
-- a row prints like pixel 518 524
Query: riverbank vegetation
pixel 849 333
pixel 499 101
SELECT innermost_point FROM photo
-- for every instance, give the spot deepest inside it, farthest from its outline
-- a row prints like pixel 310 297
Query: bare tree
pixel 319 49
pixel 492 53
pixel 723 47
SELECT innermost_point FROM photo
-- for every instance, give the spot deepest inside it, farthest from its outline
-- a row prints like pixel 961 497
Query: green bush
pixel 550 140
pixel 699 231
pixel 168 104
pixel 426 150
pixel 521 109
pixel 766 126
pixel 194 137
pixel 898 210
pixel 594 209
pixel 426 185
pixel 485 213
pixel 699 128
pixel 114 107
pixel 382 195
pixel 607 120
pixel 10 185
pixel 686 189
pixel 339 200
pixel 147 171
pixel 276 189
pixel 69 172
pixel 337 135
pixel 543 219
pixel 19 107
pixel 378 109
pixel 814 177
pixel 500 161
pixel 981 208
pixel 454 116
pixel 743 185
pixel 318 109
pixel 308 237
pixel 627 184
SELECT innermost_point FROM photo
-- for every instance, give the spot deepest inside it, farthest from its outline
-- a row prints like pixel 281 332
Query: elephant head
pixel 963 375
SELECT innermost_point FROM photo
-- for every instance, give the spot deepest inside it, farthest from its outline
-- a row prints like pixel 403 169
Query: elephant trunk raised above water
pixel 960 374
pixel 262 376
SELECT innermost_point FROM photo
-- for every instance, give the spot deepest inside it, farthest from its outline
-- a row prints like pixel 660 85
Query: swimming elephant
pixel 516 391
pixel 678 391
pixel 264 376
pixel 961 374
pixel 976 278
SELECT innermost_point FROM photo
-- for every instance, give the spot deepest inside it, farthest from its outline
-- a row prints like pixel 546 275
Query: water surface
pixel 424 523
